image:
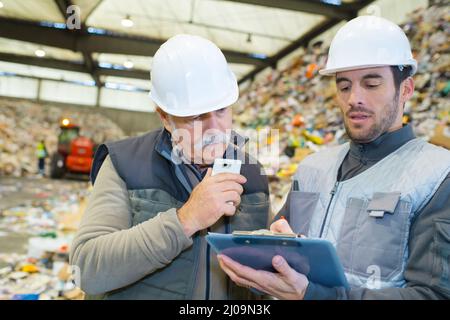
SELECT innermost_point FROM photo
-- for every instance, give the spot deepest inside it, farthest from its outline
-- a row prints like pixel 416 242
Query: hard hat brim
pixel 225 102
pixel 333 71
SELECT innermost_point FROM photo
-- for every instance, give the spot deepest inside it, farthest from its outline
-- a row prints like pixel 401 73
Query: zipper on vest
pixel 333 192
pixel 208 271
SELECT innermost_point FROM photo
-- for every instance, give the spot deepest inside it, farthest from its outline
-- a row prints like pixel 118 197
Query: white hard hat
pixel 368 41
pixel 190 76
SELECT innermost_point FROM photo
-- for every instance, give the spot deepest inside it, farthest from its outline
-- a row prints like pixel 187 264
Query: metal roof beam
pixel 43 62
pixel 102 43
pixel 63 5
pixel 342 11
pixel 73 66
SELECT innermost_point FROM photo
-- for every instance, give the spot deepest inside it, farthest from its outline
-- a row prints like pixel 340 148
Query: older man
pixel 154 198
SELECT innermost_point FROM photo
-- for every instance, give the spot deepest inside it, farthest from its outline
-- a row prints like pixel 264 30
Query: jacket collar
pixel 384 145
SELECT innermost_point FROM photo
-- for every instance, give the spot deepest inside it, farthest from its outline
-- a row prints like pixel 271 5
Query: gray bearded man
pixel 154 199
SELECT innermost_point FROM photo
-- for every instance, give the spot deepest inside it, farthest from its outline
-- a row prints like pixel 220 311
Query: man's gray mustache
pixel 212 140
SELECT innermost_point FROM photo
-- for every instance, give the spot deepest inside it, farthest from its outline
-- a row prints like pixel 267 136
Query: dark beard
pixel 378 128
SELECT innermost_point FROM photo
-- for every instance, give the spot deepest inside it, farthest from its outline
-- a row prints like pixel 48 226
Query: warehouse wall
pixel 70 91
pixel 133 111
pixel 131 122
pixel 18 87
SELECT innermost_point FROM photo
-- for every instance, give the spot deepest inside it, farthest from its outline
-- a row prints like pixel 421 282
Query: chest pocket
pixel 302 206
pixel 147 203
pixel 441 257
pixel 172 281
pixel 374 234
pixel 253 212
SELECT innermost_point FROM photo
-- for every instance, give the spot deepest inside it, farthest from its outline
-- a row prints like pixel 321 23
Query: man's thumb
pixel 281 226
pixel 281 265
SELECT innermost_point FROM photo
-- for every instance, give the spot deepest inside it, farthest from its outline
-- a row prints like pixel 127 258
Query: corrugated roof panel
pixel 42 10
pixel 141 84
pixel 240 69
pixel 28 49
pixel 225 23
pixel 139 62
pixel 39 72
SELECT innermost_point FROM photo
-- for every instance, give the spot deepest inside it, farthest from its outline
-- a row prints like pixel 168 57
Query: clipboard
pixel 317 259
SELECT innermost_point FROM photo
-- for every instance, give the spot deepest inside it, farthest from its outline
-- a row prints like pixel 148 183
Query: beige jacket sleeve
pixel 108 251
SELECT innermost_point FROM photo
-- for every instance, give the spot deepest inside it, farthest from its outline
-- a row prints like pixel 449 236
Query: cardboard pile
pixel 23 124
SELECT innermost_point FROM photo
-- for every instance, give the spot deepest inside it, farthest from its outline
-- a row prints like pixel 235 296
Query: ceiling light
pixel 40 53
pixel 128 64
pixel 1 5
pixel 127 22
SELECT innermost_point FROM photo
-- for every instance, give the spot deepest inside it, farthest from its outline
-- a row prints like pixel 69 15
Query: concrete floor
pixel 23 191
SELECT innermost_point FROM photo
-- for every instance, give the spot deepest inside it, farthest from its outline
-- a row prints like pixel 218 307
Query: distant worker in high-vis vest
pixel 41 153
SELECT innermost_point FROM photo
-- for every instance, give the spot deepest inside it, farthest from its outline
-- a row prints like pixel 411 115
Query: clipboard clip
pixel 264 232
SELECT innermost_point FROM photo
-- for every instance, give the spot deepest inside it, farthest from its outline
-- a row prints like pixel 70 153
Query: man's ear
pixel 164 117
pixel 407 89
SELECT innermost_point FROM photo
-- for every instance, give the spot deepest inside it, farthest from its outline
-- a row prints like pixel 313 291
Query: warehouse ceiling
pixel 116 39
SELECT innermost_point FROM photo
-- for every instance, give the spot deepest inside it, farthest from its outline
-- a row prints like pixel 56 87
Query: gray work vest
pixel 368 217
pixel 154 187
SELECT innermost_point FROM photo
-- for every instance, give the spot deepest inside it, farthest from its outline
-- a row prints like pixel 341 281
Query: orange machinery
pixel 74 153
